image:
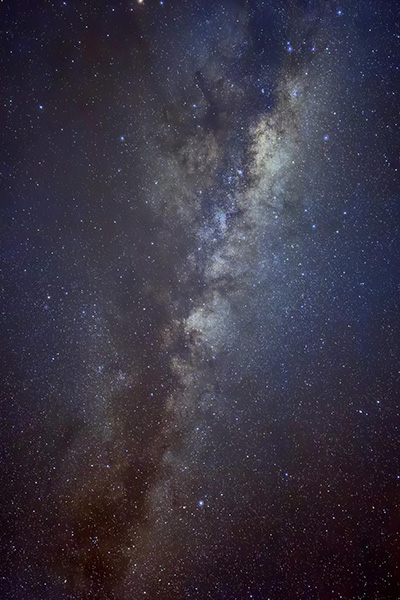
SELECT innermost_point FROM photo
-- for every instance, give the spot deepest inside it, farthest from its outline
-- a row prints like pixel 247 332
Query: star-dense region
pixel 200 300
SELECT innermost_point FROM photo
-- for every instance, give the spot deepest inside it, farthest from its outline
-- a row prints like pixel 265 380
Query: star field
pixel 200 300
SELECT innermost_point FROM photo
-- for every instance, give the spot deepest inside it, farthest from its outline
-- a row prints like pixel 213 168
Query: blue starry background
pixel 199 300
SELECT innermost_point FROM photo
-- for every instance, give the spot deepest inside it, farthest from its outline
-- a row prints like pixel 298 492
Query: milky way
pixel 200 289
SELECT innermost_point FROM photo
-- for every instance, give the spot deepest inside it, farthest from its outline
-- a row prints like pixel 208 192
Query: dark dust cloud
pixel 199 300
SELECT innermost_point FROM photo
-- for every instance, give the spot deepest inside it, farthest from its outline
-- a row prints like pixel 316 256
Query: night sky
pixel 200 345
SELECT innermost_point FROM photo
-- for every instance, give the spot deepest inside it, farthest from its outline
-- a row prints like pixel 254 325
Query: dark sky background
pixel 200 300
